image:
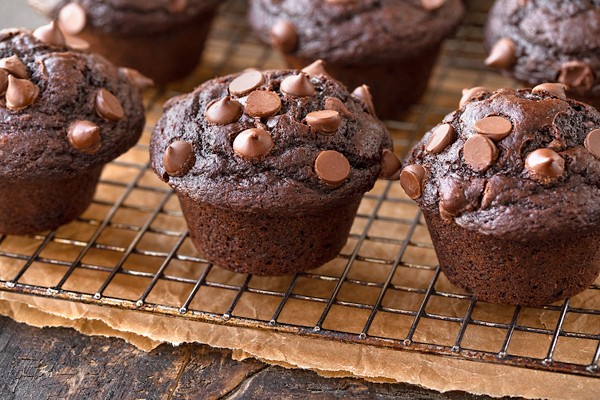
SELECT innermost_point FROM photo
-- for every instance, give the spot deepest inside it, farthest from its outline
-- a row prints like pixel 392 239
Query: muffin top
pixel 354 30
pixel 128 17
pixel 61 110
pixel 538 41
pixel 513 163
pixel 277 140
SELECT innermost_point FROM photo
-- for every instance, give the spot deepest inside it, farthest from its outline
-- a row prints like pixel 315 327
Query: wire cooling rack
pixel 135 222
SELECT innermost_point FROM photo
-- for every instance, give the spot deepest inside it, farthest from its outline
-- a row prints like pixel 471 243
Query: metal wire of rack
pixel 133 205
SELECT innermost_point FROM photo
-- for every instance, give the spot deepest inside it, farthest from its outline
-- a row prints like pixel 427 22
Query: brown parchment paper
pixel 329 358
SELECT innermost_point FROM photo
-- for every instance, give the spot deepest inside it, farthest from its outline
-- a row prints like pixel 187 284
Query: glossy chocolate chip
pixel 576 75
pixel 592 143
pixel 178 158
pixel 324 121
pixel 253 143
pixel 443 136
pixel 480 152
pixel 412 180
pixel 85 136
pixel 333 103
pixel 50 34
pixel 72 18
pixel 177 6
pixel 545 165
pixel 137 79
pixel 108 106
pixel 468 94
pixel 77 43
pixel 298 86
pixel 284 36
pixel 14 66
pixel 494 127
pixel 390 166
pixel 245 83
pixel 3 81
pixel 20 93
pixel 363 93
pixel 332 167
pixel 431 5
pixel 262 104
pixel 555 89
pixel 224 111
pixel 315 69
pixel 502 54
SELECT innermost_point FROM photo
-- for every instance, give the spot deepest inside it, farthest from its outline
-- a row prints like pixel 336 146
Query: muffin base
pixel 265 243
pixel 29 206
pixel 179 49
pixel 394 85
pixel 530 273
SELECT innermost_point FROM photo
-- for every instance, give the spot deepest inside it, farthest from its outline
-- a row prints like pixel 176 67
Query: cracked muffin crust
pixel 508 185
pixel 270 166
pixel 63 115
pixel 537 41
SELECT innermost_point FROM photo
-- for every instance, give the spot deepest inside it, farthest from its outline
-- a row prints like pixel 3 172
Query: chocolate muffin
pixel 509 186
pixel 270 167
pixel 537 41
pixel 389 45
pixel 63 115
pixel 163 39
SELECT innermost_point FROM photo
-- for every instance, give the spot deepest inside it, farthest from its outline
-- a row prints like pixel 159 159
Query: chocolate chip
pixel 245 83
pixel 390 166
pixel 224 111
pixel 333 103
pixel 324 121
pixel 545 165
pixel 3 81
pixel 262 104
pixel 363 93
pixel 50 34
pixel 137 79
pixel 502 54
pixel 576 75
pixel 592 143
pixel 332 167
pixel 84 136
pixel 76 43
pixel 20 93
pixel 178 158
pixel 72 18
pixel 315 69
pixel 431 5
pixel 468 94
pixel 555 89
pixel 480 152
pixel 176 6
pixel 108 106
pixel 412 180
pixel 494 127
pixel 253 143
pixel 13 65
pixel 443 136
pixel 298 85
pixel 284 36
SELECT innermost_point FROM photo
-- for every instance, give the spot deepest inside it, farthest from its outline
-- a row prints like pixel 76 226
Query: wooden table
pixel 60 363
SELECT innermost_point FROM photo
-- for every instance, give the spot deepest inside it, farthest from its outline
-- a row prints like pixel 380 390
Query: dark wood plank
pixel 61 363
